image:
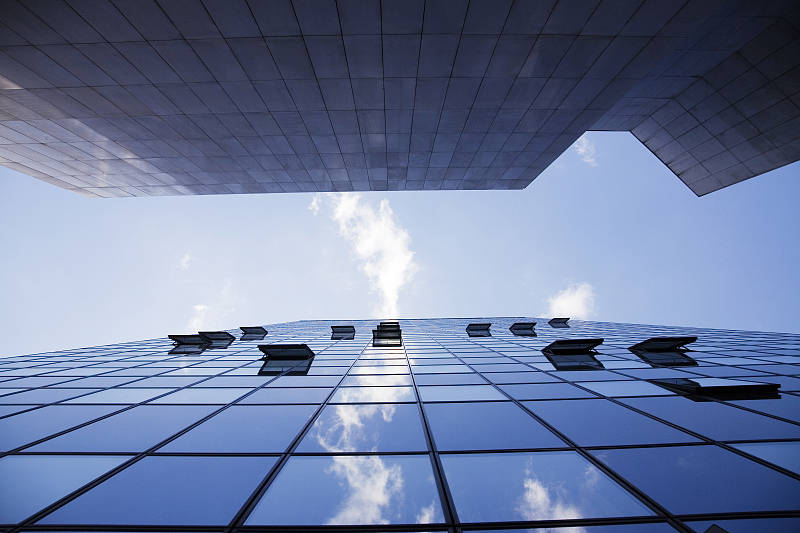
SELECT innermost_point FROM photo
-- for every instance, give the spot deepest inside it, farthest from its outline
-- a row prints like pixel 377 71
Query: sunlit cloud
pixel 576 301
pixel 186 261
pixel 586 150
pixel 198 319
pixel 217 310
pixel 314 205
pixel 372 488
pixel 381 244
pixel 545 502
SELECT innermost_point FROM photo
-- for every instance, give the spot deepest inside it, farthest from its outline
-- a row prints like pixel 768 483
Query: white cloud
pixel 186 261
pixel 546 501
pixel 315 204
pixel 586 150
pixel 380 243
pixel 370 487
pixel 576 301
pixel 198 319
pixel 217 311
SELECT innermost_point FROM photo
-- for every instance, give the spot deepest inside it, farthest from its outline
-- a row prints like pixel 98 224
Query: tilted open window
pixel 217 340
pixel 665 351
pixel 253 333
pixel 343 333
pixel 187 344
pixel 702 389
pixel 523 329
pixel 573 354
pixel 558 322
pixel 202 341
pixel 479 329
pixel 387 334
pixel 294 359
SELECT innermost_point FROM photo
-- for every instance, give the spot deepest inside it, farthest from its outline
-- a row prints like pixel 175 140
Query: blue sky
pixel 608 234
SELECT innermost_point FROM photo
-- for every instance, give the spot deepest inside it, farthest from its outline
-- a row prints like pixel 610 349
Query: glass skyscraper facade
pixel 427 428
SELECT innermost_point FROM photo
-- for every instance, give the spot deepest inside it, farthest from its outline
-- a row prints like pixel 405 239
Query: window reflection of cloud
pixel 382 379
pixel 548 501
pixel 346 431
pixel 373 488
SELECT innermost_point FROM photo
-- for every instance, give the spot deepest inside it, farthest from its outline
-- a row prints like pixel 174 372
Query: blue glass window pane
pixel 119 395
pixel 366 428
pixel 703 479
pixel 534 486
pixel 373 394
pixel 133 430
pixel 379 370
pixel 170 382
pixel 588 375
pixel 32 482
pixel 544 391
pixel 288 395
pixel 487 426
pixel 520 377
pixel 449 379
pixel 773 525
pixel 245 429
pixel 657 527
pixel 604 423
pixel 714 419
pixel 377 381
pixel 33 425
pixel 440 369
pixel 787 406
pixel 11 409
pixel 454 393
pixel 200 395
pixel 351 490
pixel 785 454
pixel 43 395
pixel 626 388
pixel 306 381
pixel 504 367
pixel 169 490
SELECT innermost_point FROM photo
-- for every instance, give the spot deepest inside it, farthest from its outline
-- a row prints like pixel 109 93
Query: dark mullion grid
pixel 123 407
pixel 705 440
pixel 244 511
pixel 448 505
pixel 450 338
pixel 134 458
pixel 651 504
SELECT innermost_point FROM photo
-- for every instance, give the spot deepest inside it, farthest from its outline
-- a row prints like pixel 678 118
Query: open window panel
pixel 479 329
pixel 217 340
pixel 558 322
pixel 343 333
pixel 274 367
pixel 202 341
pixel 388 333
pixel 664 351
pixel 705 389
pixel 253 333
pixel 523 329
pixel 295 359
pixel 573 354
pixel 286 352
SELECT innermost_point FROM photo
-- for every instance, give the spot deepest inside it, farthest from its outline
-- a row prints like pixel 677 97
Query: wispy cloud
pixel 576 301
pixel 314 205
pixel 216 311
pixel 186 261
pixel 198 319
pixel 586 150
pixel 381 244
